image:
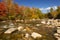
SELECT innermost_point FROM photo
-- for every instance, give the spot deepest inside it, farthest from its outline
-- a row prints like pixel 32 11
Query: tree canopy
pixel 14 11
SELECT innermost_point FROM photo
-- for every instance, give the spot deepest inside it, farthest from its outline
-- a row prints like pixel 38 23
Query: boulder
pixel 20 28
pixel 35 35
pixel 27 35
pixel 10 30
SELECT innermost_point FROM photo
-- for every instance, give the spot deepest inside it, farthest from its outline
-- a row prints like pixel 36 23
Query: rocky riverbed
pixel 27 31
pixel 25 34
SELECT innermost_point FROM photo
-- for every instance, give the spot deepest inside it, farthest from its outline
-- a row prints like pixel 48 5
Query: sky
pixel 43 5
pixel 38 3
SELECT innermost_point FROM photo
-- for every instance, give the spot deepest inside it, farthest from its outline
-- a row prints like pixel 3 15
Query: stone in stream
pixel 58 29
pixel 57 35
pixel 10 30
pixel 20 28
pixel 3 21
pixel 11 25
pixel 5 26
pixel 27 35
pixel 17 20
pixel 43 22
pixel 58 38
pixel 35 35
pixel 24 30
pixel 38 24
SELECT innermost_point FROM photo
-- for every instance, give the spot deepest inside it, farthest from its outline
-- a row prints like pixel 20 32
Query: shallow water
pixel 18 35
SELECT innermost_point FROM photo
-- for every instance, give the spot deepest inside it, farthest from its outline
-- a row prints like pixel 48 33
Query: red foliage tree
pixel 3 9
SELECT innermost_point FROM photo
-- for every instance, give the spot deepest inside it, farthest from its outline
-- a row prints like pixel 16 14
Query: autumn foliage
pixel 14 11
pixel 3 9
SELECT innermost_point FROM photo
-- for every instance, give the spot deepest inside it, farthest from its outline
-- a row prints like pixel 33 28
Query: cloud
pixel 48 8
pixel 45 10
pixel 54 7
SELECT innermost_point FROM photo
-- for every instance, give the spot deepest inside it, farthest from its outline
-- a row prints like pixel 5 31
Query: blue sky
pixel 38 3
pixel 42 4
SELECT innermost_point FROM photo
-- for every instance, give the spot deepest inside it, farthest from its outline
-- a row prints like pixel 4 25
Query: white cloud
pixel 44 10
pixel 54 7
pixel 48 8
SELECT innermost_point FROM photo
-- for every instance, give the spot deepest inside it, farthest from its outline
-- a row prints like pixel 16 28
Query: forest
pixel 12 11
